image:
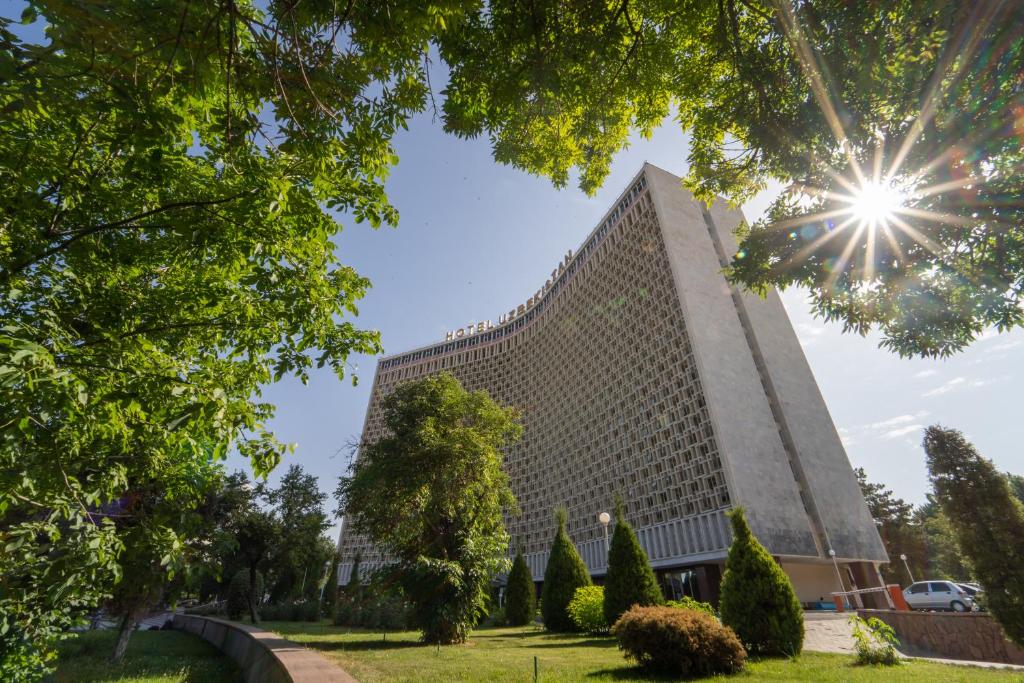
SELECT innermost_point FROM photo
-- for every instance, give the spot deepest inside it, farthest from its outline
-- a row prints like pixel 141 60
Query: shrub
pixel 564 574
pixel 238 594
pixel 689 603
pixel 292 610
pixel 757 598
pixel 630 580
pixel 678 642
pixel 988 521
pixel 374 606
pixel 520 594
pixel 875 641
pixel 587 610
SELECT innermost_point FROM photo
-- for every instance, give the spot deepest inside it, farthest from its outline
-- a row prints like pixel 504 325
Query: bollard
pixel 535 669
pixel 898 601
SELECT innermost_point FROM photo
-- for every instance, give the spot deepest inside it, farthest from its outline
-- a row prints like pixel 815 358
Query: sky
pixel 476 238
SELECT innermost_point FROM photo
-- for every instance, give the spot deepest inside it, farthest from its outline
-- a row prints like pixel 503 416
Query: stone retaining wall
pixel 969 636
pixel 264 657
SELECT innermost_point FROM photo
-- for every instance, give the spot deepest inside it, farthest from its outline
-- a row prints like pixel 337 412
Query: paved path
pixel 828 632
pixel 832 632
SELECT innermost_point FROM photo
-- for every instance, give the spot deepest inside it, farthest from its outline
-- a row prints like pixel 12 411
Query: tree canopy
pixel 431 492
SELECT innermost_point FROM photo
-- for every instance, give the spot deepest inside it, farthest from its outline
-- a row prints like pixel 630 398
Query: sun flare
pixel 875 204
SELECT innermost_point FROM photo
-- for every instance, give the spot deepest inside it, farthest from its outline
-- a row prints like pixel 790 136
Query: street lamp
pixel 907 567
pixel 605 518
pixel 832 554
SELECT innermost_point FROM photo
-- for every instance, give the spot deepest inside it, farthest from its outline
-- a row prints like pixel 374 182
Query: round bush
pixel 587 609
pixel 680 642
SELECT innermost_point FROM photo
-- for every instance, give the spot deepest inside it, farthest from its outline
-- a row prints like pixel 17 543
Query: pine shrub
pixel 520 594
pixel 757 599
pixel 564 574
pixel 679 642
pixel 987 519
pixel 238 594
pixel 587 610
pixel 630 580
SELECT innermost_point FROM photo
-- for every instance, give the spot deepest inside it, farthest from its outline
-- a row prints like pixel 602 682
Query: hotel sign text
pixel 521 309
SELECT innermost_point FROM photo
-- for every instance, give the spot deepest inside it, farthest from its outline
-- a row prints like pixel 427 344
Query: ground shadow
pixel 632 673
pixel 573 644
pixel 364 645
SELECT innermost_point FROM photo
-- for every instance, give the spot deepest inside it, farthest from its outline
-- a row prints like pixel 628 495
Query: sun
pixel 875 204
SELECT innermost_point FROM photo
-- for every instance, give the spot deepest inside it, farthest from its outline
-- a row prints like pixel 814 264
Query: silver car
pixel 938 595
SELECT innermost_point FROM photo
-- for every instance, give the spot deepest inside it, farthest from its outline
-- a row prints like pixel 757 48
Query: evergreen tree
pixel 987 519
pixel 757 598
pixel 564 574
pixel 520 594
pixel 330 590
pixel 630 580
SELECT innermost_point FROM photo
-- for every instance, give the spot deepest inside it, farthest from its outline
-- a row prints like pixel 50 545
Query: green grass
pixel 153 657
pixel 506 654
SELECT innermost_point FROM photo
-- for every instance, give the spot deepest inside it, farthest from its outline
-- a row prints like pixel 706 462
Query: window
pixel 919 588
pixel 940 587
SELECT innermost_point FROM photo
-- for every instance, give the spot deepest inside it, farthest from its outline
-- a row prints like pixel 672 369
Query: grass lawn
pixel 153 657
pixel 506 654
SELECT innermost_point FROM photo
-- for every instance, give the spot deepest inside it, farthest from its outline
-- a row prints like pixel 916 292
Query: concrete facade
pixel 640 371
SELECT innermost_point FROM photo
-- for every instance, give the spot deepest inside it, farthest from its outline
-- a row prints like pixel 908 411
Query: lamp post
pixel 907 567
pixel 605 518
pixel 832 554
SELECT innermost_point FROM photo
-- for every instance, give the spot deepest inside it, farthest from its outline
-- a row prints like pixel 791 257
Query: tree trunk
pixel 253 617
pixel 128 622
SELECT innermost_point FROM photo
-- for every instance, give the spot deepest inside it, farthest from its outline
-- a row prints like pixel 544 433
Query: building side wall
pixel 825 466
pixel 759 473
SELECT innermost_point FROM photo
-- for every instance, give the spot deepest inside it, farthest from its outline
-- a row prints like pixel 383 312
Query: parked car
pixel 938 595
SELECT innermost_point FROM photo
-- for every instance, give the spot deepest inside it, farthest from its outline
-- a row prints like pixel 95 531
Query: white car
pixel 938 595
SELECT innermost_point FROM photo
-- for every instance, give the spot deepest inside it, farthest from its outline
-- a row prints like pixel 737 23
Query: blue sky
pixel 476 238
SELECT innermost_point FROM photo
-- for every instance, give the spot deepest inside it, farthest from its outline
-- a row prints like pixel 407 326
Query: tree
pixel 256 534
pixel 942 554
pixel 430 492
pixel 900 533
pixel 329 601
pixel 520 593
pixel 167 171
pixel 165 526
pixel 778 90
pixel 1016 483
pixel 630 579
pixel 987 519
pixel 564 574
pixel 298 505
pixel 757 599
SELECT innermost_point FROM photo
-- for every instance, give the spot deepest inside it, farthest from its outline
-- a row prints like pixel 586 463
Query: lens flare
pixel 875 204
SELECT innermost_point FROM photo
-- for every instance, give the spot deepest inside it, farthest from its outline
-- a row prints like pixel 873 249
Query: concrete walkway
pixel 832 632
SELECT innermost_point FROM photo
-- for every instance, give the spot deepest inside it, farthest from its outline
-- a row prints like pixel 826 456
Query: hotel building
pixel 641 371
